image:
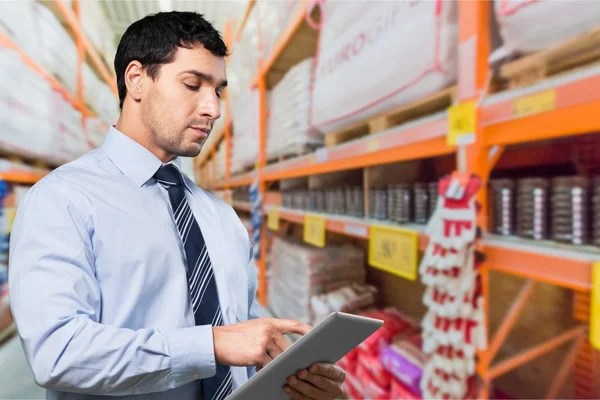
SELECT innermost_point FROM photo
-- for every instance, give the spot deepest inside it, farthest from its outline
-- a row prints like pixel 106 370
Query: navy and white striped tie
pixel 201 283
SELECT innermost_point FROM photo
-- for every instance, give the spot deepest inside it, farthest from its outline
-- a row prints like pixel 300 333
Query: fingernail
pixel 303 374
pixel 287 389
pixel 293 380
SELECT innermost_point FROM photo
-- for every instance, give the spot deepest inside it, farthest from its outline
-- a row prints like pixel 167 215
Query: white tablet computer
pixel 328 342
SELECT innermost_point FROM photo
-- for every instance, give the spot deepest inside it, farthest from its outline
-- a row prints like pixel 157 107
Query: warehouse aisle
pixel 16 380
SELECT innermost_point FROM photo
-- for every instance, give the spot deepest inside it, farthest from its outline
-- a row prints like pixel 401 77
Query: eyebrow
pixel 205 77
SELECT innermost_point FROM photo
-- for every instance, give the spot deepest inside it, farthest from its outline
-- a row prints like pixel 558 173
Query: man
pixel 125 277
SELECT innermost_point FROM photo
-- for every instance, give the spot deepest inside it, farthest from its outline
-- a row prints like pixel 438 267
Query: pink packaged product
pixel 353 387
pixel 373 365
pixel 372 390
pixel 400 392
pixel 395 323
pixel 405 359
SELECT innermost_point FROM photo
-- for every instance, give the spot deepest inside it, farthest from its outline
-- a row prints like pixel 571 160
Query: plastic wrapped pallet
pixel 100 96
pixel 28 123
pixel 288 129
pixel 524 24
pixel 242 68
pixel 298 271
pixel 275 16
pixel 96 130
pixel 220 163
pixel 244 152
pixel 410 45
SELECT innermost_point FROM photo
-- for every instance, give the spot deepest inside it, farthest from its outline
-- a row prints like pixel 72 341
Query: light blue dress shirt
pixel 97 280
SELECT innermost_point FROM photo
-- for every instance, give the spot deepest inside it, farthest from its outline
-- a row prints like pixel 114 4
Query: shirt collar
pixel 132 159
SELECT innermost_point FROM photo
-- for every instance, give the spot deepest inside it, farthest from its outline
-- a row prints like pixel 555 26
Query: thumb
pixel 291 326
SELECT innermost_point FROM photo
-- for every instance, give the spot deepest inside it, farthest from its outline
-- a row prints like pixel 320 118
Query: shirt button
pixel 196 376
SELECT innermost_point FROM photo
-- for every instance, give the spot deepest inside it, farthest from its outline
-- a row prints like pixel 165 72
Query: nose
pixel 210 104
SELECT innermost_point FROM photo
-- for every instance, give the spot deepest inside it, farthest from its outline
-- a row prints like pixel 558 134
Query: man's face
pixel 183 101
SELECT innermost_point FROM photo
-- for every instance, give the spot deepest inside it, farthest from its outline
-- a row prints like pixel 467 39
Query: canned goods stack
pixel 421 201
pixel 532 208
pixel 392 205
pixel 312 201
pixel 378 204
pixel 433 196
pixel 354 201
pixel 329 201
pixel 570 210
pixel 503 200
pixel 287 199
pixel 596 213
pixel 401 204
pixel 321 206
pixel 340 201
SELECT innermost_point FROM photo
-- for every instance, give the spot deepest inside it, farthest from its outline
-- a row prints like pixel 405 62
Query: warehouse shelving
pixel 554 108
pixel 572 110
pixel 420 139
pixel 24 177
pixel 70 17
pixel 80 105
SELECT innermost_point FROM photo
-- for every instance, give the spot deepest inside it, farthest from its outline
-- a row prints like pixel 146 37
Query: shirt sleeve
pixel 56 302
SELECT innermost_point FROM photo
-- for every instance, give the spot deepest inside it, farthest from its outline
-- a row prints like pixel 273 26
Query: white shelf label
pixel 356 230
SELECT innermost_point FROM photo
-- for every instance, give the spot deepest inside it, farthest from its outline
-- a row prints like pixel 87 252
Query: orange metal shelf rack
pixel 500 122
pixel 77 101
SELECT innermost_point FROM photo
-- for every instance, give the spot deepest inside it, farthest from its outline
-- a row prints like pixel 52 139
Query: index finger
pixel 330 371
pixel 291 326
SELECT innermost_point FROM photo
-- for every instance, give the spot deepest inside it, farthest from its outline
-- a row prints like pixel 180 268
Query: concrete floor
pixel 16 380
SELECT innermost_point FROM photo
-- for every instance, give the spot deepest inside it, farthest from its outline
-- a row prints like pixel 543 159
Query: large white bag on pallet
pixel 378 55
pixel 533 25
pixel 245 112
pixel 288 128
pixel 298 271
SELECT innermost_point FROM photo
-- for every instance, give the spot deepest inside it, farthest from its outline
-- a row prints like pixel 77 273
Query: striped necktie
pixel 201 283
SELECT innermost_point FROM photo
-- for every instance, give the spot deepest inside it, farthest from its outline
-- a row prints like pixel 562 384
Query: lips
pixel 201 130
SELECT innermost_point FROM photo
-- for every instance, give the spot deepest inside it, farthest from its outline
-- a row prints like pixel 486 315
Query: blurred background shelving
pixel 341 112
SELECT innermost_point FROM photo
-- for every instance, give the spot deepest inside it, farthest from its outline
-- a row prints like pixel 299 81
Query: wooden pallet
pixel 581 50
pixel 286 156
pixel 436 102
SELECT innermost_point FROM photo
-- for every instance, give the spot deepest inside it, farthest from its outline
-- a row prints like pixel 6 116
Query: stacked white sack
pixel 242 68
pixel 96 130
pixel 100 97
pixel 28 123
pixel 525 24
pixel 298 271
pixel 378 55
pixel 275 16
pixel 220 162
pixel 38 33
pixel 288 129
pixel 244 109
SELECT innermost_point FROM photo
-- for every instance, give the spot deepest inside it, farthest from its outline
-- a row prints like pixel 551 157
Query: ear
pixel 134 79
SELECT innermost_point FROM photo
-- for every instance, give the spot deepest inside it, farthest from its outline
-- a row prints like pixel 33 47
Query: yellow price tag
pixel 535 104
pixel 595 306
pixel 314 230
pixel 11 214
pixel 273 219
pixel 461 121
pixel 394 250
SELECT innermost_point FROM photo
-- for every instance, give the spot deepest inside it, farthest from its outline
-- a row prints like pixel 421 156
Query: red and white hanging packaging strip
pixel 453 328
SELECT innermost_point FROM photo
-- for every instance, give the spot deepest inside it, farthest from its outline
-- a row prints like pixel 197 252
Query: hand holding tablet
pixel 326 343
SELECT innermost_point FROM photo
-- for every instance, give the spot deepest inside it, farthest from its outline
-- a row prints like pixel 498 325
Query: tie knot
pixel 168 175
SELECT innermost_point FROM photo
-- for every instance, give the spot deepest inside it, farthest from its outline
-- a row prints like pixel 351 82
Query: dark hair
pixel 153 41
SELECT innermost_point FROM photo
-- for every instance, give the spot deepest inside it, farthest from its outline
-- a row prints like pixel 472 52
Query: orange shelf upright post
pixel 262 146
pixel 76 27
pixel 473 52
